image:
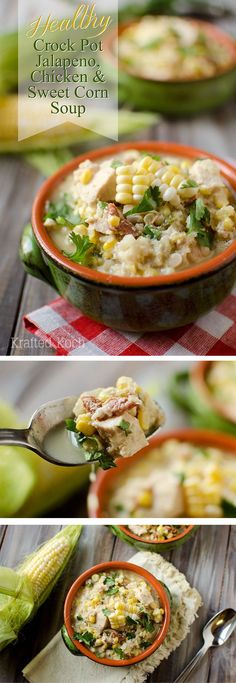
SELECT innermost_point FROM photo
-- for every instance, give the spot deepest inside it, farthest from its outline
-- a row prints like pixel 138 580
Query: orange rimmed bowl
pixel 101 490
pixel 160 590
pixel 135 304
pixel 123 532
pixel 175 98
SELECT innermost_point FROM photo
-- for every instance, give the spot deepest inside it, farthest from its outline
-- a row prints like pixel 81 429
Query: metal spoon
pixel 50 415
pixel 216 632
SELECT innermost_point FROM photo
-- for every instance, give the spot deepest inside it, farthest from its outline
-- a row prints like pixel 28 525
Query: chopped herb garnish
pixel 87 638
pixel 113 591
pixel 125 426
pixel 152 44
pixel 119 507
pixel 102 205
pixel 130 621
pixel 119 651
pixel 146 622
pixel 198 222
pixel 188 183
pixel 62 213
pixel 71 425
pixel 79 618
pixel 145 644
pixel 204 452
pixel 150 201
pixel 116 163
pixel 152 232
pixel 83 251
pixel 109 581
pixel 181 476
pixel 106 612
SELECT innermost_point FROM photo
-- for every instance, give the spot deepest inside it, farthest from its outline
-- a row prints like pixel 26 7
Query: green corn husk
pixel 192 402
pixel 30 486
pixel 24 590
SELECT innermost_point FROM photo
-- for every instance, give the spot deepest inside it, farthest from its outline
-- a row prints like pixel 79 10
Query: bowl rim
pixel 108 566
pixel 166 541
pixel 182 277
pixel 198 376
pixel 222 36
pixel 98 488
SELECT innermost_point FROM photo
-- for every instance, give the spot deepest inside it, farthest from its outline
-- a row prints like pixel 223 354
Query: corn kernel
pixel 144 424
pixel 114 221
pixel 228 223
pixel 86 176
pixel 185 164
pixel 167 177
pixel 84 425
pixel 145 499
pixel 109 244
pixel 92 619
pixel 176 180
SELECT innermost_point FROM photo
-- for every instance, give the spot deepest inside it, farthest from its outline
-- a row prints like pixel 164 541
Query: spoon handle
pixel 194 662
pixel 17 437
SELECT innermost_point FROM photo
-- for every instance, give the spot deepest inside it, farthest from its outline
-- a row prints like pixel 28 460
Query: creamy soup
pixel 172 49
pixel 177 479
pixel 138 214
pixel 116 614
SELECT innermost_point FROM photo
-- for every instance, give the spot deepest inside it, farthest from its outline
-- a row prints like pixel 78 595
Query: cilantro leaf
pixel 83 251
pixel 116 163
pixel 130 621
pixel 188 183
pixel 198 222
pixel 87 638
pixel 125 426
pixel 146 622
pixel 106 612
pixel 62 213
pixel 119 651
pixel 113 591
pixel 102 205
pixel 152 232
pixel 109 581
pixel 181 476
pixel 71 425
pixel 150 201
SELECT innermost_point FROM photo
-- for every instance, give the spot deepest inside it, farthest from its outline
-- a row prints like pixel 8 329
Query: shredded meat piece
pixel 116 406
pixel 91 403
pixel 125 227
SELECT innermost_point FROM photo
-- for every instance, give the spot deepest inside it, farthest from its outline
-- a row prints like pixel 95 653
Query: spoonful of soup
pixel 98 427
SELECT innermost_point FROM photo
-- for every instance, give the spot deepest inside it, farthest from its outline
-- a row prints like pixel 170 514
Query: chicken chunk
pixel 206 173
pixel 101 621
pixel 171 505
pixel 101 186
pixel 123 434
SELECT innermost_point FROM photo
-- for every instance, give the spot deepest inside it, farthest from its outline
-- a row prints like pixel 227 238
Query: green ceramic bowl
pixel 135 304
pixel 124 533
pixel 176 98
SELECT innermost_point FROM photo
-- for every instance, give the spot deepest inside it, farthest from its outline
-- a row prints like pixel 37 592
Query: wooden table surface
pixel 208 560
pixel 20 294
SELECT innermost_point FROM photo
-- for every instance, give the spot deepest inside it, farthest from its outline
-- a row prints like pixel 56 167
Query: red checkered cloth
pixel 65 329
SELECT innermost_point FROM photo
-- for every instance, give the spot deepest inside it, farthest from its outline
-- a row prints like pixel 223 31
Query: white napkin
pixel 55 664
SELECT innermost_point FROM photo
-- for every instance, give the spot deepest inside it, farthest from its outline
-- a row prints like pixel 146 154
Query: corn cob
pixel 46 564
pixel 23 591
